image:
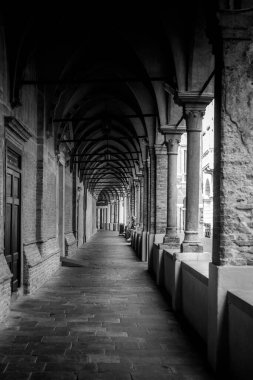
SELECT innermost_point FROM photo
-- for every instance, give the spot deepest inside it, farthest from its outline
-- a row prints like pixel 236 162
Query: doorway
pixel 13 216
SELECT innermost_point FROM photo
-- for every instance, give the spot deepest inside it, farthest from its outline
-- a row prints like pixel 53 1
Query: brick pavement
pixel 103 320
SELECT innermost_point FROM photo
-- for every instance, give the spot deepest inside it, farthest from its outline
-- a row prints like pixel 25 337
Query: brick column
pixel 152 200
pixel 161 189
pixel 194 108
pixel 128 210
pixel 137 202
pixel 145 208
pixel 132 200
pixel 141 200
pixel 172 141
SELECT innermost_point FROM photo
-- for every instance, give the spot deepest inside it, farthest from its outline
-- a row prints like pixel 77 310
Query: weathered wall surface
pixel 233 179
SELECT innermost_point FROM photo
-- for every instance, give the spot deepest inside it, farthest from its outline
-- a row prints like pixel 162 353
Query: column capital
pixel 172 143
pixel 194 103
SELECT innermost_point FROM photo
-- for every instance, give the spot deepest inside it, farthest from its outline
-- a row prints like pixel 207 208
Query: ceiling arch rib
pixel 108 86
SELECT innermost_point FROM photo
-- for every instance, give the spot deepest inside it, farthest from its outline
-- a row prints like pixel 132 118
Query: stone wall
pixel 233 179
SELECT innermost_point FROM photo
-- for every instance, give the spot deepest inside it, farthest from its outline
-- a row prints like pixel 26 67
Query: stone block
pixel 221 280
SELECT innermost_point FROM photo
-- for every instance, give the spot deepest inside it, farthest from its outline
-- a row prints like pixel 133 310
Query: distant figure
pixel 133 223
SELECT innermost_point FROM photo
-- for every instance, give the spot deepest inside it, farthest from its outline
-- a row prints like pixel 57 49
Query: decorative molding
pixel 193 101
pixel 18 130
pixel 172 129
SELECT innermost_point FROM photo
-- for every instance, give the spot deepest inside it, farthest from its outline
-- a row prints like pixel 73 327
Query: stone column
pixel 172 141
pixel 106 218
pixel 98 218
pixel 124 209
pixel 108 215
pixel 194 108
pixel 118 221
pixel 115 216
pixel 111 216
pixel 101 218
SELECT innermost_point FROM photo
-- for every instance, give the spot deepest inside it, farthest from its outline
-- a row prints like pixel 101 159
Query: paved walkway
pixel 104 320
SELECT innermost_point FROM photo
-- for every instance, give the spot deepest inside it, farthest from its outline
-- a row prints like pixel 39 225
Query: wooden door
pixel 12 216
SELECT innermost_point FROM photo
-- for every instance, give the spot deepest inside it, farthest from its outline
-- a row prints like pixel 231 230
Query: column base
pixel 171 242
pixel 192 247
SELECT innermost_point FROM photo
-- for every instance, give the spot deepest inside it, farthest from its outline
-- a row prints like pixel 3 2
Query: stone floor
pixel 103 320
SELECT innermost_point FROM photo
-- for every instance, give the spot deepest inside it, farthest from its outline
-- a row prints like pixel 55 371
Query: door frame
pixel 14 148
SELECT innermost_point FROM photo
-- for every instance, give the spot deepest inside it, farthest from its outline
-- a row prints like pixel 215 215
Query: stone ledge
pixel 242 299
pixel 199 269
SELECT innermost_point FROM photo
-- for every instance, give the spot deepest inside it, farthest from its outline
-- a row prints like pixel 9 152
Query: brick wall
pixel 5 288
pixel 38 269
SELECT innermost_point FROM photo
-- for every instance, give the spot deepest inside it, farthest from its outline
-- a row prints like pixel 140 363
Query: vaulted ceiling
pixel 104 70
